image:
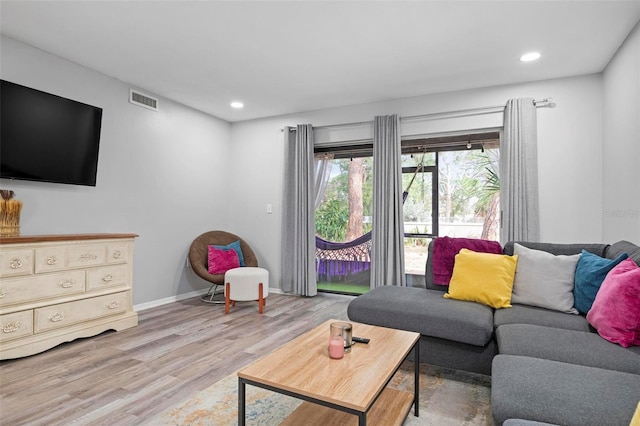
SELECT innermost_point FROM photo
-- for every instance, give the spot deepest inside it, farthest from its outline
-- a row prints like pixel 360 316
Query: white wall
pixel 570 164
pixel 621 143
pixel 169 176
pixel 163 175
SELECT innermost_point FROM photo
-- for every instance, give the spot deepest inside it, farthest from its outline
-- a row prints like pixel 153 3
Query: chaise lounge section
pixel 546 366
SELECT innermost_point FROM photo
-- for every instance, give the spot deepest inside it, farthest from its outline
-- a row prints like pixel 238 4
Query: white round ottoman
pixel 246 284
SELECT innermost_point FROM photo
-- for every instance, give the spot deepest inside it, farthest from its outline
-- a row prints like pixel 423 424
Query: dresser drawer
pixel 117 253
pixel 49 259
pixel 108 276
pixel 83 256
pixel 37 287
pixel 65 314
pixel 15 263
pixel 15 325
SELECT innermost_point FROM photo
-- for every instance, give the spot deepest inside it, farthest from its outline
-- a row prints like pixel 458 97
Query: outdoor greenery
pixel 468 192
pixel 333 215
pixel 331 220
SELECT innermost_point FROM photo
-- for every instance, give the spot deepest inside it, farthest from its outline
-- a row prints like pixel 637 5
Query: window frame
pixel 434 199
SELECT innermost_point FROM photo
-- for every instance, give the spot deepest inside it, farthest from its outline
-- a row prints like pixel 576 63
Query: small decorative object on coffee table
pixel 338 392
pixel 336 347
pixel 342 329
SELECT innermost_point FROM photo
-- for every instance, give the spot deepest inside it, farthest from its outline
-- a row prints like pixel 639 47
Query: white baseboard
pixel 179 297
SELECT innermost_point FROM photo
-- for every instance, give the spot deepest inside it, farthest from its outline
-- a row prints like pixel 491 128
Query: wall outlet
pixel 269 208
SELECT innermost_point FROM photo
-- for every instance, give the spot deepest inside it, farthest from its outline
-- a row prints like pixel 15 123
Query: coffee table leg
pixel 362 419
pixel 241 395
pixel 416 379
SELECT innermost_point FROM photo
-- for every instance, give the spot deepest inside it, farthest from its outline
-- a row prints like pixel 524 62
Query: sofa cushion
pixel 424 311
pixel 485 278
pixel 616 309
pixel 620 247
pixel 458 356
pixel 521 314
pixel 571 346
pixel 544 279
pixel 560 393
pixel 557 248
pixel 590 272
pixel 520 422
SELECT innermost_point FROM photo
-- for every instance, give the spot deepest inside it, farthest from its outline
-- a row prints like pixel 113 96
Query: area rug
pixel 447 397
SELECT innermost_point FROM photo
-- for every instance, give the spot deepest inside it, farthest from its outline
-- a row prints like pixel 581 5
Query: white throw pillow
pixel 544 280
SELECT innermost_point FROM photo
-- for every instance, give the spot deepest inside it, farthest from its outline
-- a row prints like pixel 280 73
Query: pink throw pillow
pixel 616 309
pixel 220 261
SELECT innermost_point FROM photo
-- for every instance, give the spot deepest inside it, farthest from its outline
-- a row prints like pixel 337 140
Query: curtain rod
pixel 541 103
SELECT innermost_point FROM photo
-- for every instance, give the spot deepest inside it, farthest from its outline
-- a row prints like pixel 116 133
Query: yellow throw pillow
pixel 483 277
pixel 635 420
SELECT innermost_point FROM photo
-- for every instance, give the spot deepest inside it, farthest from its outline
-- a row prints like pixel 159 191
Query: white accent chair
pixel 246 284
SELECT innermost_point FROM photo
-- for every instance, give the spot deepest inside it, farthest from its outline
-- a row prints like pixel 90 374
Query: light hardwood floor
pixel 177 350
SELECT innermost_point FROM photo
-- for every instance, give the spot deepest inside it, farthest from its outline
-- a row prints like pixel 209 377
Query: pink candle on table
pixel 336 347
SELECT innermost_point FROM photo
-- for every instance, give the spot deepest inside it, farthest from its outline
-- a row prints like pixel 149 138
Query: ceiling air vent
pixel 142 100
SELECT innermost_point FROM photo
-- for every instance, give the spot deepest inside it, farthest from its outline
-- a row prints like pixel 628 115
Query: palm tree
pixel 489 198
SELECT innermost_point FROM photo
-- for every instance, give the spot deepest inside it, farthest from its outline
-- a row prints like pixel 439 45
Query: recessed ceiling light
pixel 237 105
pixel 528 57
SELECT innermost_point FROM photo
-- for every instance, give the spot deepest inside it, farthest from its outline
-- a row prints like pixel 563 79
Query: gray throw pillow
pixel 544 280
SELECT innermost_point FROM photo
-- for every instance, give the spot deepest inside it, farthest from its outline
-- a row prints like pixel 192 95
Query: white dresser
pixel 56 288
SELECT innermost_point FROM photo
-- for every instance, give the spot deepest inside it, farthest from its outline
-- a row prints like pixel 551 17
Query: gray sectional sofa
pixel 546 366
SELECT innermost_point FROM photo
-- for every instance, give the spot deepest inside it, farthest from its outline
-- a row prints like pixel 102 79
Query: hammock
pixel 342 260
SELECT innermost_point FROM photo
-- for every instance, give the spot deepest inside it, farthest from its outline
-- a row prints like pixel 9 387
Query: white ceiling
pixel 282 57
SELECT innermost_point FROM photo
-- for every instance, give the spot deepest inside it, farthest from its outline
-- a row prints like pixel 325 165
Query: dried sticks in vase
pixel 9 214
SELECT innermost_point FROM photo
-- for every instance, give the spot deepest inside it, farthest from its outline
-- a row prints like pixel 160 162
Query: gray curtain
pixel 387 236
pixel 519 173
pixel 298 228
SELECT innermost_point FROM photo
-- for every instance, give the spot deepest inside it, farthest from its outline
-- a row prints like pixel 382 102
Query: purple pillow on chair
pixel 220 261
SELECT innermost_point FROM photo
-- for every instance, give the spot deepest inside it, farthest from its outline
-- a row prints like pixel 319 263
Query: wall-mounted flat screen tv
pixel 47 138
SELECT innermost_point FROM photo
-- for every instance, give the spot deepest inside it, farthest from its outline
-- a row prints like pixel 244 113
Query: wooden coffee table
pixel 338 390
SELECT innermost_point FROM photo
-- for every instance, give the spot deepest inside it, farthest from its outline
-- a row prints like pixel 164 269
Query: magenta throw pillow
pixel 220 261
pixel 616 309
pixel 446 248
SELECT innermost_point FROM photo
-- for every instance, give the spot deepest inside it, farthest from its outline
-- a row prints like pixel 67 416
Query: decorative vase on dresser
pixel 57 288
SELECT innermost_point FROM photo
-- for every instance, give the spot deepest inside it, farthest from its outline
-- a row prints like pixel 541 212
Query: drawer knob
pixel 117 254
pixel 67 283
pixel 52 260
pixel 15 263
pixel 87 257
pixel 107 278
pixel 113 305
pixel 3 293
pixel 11 327
pixel 56 317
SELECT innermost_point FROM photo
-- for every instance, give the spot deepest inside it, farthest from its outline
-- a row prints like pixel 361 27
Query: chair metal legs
pixel 213 295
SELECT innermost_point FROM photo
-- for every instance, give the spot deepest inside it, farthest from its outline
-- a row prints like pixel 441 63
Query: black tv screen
pixel 48 138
